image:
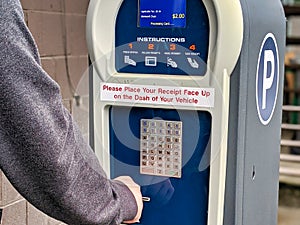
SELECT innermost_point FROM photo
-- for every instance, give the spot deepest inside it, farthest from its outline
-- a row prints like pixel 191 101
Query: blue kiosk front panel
pixel 162 37
pixel 178 198
pixel 164 150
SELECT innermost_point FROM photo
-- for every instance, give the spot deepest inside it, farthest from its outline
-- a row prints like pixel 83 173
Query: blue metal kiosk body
pixel 186 98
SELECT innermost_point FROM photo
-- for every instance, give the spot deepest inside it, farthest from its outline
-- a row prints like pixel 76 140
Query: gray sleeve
pixel 42 151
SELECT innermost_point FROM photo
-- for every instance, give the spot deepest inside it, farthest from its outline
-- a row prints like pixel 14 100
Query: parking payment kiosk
pixel 185 99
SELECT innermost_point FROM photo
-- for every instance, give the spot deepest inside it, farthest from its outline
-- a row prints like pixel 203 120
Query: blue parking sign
pixel 267 78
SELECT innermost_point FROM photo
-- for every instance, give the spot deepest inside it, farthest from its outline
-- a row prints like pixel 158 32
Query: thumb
pixel 136 191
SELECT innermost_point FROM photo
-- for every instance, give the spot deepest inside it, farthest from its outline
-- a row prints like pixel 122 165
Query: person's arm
pixel 42 151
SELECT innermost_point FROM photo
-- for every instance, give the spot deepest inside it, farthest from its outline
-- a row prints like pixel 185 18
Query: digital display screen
pixel 162 13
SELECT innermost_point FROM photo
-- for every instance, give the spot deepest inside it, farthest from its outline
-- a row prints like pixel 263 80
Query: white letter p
pixel 267 78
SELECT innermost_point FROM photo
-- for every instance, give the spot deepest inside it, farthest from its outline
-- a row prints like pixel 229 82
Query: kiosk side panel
pixel 257 84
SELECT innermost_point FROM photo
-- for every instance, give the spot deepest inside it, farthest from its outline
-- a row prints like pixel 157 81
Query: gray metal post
pixel 254 148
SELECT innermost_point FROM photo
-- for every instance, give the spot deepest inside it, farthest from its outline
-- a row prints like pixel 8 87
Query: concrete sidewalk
pixel 288 215
pixel 289 205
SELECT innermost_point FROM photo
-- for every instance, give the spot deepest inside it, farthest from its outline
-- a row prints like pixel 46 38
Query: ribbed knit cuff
pixel 128 203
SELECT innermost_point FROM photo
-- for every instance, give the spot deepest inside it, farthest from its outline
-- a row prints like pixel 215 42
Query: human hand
pixel 136 191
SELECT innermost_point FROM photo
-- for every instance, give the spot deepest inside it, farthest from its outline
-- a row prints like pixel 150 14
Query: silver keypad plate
pixel 161 147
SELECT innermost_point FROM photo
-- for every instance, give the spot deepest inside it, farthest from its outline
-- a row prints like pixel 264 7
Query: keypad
pixel 161 147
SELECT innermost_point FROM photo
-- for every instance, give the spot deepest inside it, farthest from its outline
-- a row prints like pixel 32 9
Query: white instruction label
pixel 160 95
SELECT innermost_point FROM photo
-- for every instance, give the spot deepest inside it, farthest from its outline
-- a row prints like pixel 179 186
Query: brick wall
pixel 58 27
